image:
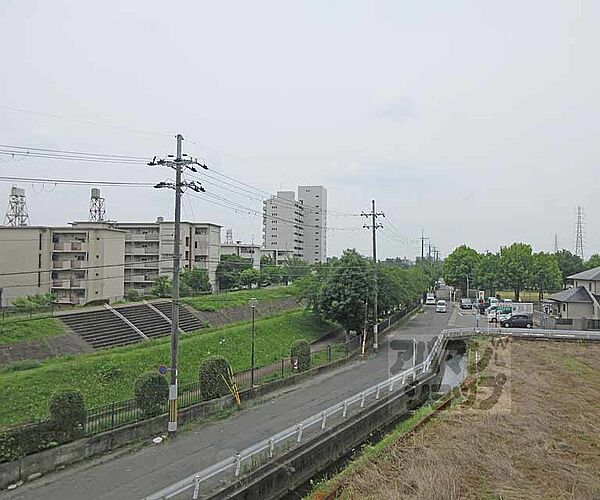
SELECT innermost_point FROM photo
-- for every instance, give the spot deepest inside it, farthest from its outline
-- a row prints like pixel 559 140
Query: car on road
pixel 430 300
pixel 441 306
pixel 518 321
pixel 466 304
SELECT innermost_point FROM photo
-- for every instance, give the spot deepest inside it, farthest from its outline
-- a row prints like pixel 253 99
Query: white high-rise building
pixel 283 223
pixel 297 225
pixel 314 201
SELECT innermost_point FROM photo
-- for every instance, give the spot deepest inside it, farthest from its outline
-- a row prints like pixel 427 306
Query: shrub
pixel 212 371
pixel 133 295
pixel 301 350
pixel 68 413
pixel 151 392
pixel 27 440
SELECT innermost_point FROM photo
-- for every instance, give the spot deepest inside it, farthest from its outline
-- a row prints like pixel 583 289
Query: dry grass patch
pixel 544 444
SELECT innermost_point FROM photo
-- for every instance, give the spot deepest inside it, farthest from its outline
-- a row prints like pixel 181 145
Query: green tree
pixel 545 275
pixel 194 280
pixel 568 264
pixel 460 263
pixel 270 272
pixel 344 293
pixel 293 268
pixel 516 266
pixel 162 287
pixel 229 270
pixel 593 261
pixel 249 277
pixel 487 272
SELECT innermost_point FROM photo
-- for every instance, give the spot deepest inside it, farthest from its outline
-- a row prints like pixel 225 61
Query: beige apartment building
pixel 248 251
pixel 79 264
pixel 148 251
pixel 91 261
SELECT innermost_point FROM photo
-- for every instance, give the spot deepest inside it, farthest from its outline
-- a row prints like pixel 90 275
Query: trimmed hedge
pixel 30 439
pixel 151 392
pixel 212 371
pixel 301 350
pixel 68 413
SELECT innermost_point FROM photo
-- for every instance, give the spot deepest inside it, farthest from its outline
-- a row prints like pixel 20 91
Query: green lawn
pixel 215 302
pixel 109 375
pixel 22 329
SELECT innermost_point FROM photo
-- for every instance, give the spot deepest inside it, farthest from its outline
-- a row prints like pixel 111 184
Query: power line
pixel 76 182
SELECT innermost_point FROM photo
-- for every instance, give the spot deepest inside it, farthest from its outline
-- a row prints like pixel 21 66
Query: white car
pixel 430 300
pixel 441 306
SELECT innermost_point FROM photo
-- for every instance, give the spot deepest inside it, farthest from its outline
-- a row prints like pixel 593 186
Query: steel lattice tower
pixel 97 207
pixel 579 239
pixel 16 214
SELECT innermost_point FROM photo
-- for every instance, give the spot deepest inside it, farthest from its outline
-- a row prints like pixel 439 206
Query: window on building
pixel 564 307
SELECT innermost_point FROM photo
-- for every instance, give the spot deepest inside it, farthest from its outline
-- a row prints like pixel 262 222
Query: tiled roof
pixel 577 294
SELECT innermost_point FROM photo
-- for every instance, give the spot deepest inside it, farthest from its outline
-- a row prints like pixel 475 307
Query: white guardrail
pixel 259 453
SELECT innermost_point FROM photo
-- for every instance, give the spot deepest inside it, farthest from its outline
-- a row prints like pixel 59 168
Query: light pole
pixel 253 303
pixel 467 285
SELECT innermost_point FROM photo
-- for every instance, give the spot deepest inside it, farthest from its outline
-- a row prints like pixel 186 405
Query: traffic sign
pixel 162 369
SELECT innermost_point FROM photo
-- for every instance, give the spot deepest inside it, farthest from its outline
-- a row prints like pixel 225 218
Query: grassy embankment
pixel 109 375
pixel 216 302
pixel 17 329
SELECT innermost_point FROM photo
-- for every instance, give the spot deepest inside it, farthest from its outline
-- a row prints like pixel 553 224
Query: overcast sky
pixel 477 120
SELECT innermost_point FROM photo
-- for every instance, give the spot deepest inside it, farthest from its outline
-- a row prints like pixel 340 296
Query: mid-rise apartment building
pixel 149 248
pixel 297 224
pixel 248 251
pixel 79 264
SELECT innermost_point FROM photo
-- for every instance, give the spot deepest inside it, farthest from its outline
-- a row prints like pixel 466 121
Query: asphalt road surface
pixel 137 474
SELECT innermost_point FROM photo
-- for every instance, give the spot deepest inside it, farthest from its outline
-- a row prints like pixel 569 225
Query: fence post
pixel 329 353
pixel 299 438
pixel 378 391
pixel 282 367
pixel 112 415
pixel 345 412
pixel 346 348
pixel 196 492
pixel 238 463
pixel 271 447
pixel 323 419
pixel 362 400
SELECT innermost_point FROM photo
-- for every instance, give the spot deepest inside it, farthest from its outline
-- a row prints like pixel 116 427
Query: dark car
pixel 518 321
pixel 466 304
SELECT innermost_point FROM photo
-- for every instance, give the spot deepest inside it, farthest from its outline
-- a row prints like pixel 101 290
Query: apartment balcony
pixel 67 264
pixel 70 246
pixel 141 237
pixel 141 265
pixel 67 284
pixel 141 278
pixel 141 251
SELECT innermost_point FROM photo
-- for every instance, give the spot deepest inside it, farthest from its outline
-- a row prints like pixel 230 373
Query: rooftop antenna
pixel 97 207
pixel 16 214
pixel 579 251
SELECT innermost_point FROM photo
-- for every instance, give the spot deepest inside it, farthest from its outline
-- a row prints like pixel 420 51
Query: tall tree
pixel 460 263
pixel 230 269
pixel 516 265
pixel 344 294
pixel 162 287
pixel 293 268
pixel 593 261
pixel 194 281
pixel 249 277
pixel 545 275
pixel 487 272
pixel 568 264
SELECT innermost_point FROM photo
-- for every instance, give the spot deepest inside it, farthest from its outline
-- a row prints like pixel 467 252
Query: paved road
pixel 135 475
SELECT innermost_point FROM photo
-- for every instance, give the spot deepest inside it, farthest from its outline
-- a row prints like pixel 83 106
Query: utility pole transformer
pixel 374 226
pixel 16 214
pixel 178 164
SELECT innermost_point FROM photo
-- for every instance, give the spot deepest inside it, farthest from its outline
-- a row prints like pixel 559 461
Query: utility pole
pixel 374 226
pixel 178 164
pixel 423 247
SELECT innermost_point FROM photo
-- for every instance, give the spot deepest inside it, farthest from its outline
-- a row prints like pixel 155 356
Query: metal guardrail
pixel 268 448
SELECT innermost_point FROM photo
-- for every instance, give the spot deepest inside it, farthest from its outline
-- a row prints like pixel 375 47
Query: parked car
pixel 430 300
pixel 518 321
pixel 441 306
pixel 466 304
pixel 491 314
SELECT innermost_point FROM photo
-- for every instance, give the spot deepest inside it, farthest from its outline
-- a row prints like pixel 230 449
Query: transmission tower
pixel 229 236
pixel 16 214
pixel 555 243
pixel 97 207
pixel 579 239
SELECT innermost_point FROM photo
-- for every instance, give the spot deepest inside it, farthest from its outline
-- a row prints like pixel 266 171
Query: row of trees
pixel 191 282
pixel 342 289
pixel 515 268
pixel 236 272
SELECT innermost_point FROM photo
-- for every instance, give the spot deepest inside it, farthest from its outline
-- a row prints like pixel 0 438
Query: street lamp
pixel 467 285
pixel 253 303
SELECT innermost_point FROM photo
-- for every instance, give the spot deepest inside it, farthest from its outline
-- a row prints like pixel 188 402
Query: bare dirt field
pixel 539 439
